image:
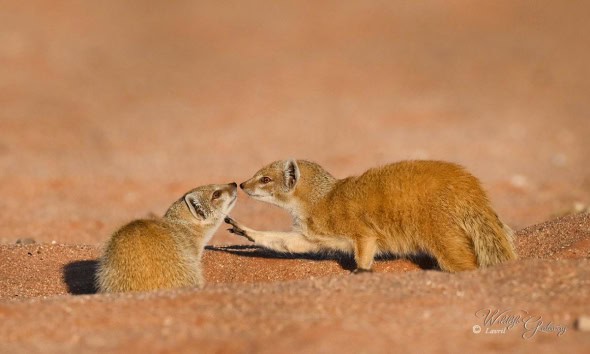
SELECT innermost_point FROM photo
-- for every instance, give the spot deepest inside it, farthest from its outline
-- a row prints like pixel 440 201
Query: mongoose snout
pixel 166 252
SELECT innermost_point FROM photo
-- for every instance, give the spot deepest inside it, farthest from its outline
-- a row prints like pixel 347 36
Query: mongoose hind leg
pixel 455 264
pixel 456 254
pixel 364 253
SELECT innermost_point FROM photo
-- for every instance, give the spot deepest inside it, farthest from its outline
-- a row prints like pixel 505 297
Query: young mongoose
pixel 165 252
pixel 403 208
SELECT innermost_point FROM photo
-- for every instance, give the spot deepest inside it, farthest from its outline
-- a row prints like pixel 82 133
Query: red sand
pixel 111 110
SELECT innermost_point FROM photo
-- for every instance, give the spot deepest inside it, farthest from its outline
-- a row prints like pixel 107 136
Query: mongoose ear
pixel 291 174
pixel 195 207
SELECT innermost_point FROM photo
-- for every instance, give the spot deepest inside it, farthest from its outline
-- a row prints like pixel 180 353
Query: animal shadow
pixel 345 261
pixel 79 277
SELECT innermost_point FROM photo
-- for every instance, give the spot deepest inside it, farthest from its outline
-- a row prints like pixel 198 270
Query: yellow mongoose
pixel 165 252
pixel 402 208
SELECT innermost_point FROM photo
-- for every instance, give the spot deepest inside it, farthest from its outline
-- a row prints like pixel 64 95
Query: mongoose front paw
pixel 235 229
pixel 361 271
pixel 240 232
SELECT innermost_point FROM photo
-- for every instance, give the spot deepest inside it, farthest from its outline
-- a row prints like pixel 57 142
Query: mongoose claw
pixel 232 222
pixel 237 231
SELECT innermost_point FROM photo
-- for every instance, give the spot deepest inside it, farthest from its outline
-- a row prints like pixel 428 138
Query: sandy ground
pixel 111 110
pixel 302 305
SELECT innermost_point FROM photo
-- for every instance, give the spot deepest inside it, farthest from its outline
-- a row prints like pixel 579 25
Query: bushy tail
pixel 493 240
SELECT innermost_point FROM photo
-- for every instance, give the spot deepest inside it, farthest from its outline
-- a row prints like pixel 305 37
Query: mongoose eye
pixel 265 180
pixel 216 195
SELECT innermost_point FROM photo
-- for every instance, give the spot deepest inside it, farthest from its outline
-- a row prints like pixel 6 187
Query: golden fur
pixel 403 208
pixel 165 252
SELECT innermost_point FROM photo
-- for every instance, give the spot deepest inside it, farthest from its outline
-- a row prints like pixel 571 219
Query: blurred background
pixel 110 110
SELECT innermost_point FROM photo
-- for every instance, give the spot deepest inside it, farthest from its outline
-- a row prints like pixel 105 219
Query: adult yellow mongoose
pixel 402 208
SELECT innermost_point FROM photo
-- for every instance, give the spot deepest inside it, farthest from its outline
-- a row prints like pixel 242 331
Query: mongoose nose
pixel 234 184
pixel 242 185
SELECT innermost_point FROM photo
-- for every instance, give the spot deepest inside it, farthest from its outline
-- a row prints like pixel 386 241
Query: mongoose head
pixel 288 183
pixel 205 205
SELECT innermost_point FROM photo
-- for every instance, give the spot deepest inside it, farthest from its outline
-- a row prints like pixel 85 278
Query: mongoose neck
pixel 315 183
